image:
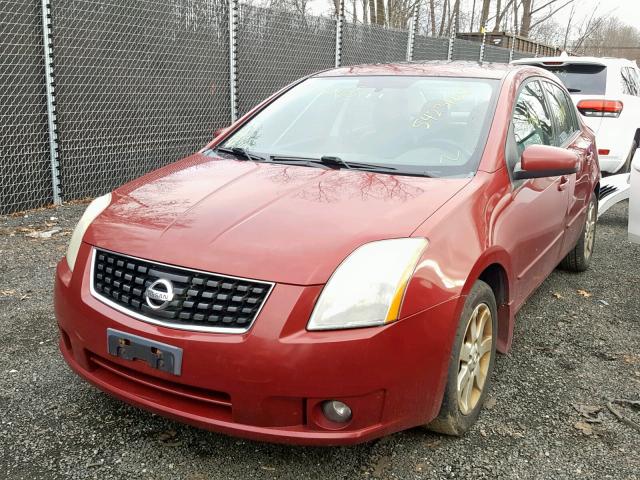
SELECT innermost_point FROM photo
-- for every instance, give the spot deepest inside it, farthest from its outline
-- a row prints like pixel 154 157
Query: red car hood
pixel 288 224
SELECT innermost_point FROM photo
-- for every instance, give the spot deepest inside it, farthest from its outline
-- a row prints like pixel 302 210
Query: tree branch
pixel 551 2
pixel 537 22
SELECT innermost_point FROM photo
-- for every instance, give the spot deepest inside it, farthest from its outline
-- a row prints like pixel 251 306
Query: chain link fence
pixel 496 54
pixel 25 174
pixel 373 44
pixel 430 48
pixel 141 83
pixel 276 48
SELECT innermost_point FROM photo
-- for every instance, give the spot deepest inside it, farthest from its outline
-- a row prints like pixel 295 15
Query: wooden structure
pixel 521 44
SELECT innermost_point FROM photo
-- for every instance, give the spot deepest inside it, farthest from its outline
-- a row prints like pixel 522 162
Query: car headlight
pixel 94 209
pixel 367 288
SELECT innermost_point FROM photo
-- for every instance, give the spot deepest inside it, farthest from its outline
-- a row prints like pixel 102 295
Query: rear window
pixel 583 79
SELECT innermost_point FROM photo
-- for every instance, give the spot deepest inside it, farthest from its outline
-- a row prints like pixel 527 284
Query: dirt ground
pixel 577 345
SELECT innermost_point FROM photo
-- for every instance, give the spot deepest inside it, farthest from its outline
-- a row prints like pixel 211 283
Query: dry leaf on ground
pixel 584 428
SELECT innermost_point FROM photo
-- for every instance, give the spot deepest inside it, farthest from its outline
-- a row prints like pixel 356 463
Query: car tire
pixel 578 259
pixel 461 406
pixel 626 168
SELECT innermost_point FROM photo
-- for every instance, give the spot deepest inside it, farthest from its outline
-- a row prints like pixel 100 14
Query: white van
pixel 607 94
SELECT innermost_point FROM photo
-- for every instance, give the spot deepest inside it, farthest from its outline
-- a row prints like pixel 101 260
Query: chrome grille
pixel 202 301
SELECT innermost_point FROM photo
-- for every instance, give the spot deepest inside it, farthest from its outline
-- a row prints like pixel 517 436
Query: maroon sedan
pixel 341 263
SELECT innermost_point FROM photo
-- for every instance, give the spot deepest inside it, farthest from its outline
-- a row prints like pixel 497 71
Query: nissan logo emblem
pixel 159 294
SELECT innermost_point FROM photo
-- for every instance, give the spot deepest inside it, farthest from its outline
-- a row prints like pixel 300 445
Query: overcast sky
pixel 627 10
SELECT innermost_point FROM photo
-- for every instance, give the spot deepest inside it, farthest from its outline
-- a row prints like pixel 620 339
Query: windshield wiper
pixel 574 90
pixel 288 160
pixel 331 162
pixel 241 153
pixel 338 162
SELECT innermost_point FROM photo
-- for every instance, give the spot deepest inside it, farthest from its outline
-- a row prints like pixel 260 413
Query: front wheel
pixel 471 364
pixel 578 259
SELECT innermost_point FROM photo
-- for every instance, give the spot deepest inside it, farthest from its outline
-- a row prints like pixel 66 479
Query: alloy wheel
pixel 590 231
pixel 475 358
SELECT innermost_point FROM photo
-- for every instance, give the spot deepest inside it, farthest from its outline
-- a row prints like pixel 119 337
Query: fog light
pixel 336 411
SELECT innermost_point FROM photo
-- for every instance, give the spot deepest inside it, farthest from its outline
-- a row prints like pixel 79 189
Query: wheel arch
pixel 493 269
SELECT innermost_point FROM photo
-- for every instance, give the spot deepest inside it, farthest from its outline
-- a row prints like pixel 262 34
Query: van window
pixel 630 84
pixel 585 79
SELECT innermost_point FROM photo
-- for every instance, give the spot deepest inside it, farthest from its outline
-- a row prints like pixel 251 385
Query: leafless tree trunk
pixel 484 16
pixel 568 29
pixel 443 20
pixel 432 14
pixel 525 24
pixel 529 11
pixel 372 11
pixel 501 13
pixel 496 27
pixel 473 16
pixel 380 12
pixel 456 16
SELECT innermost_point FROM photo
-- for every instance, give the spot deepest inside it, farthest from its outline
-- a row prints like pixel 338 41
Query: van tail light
pixel 603 151
pixel 600 108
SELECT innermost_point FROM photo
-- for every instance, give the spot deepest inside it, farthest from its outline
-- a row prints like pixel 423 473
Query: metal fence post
pixel 513 46
pixel 51 100
pixel 413 27
pixel 233 77
pixel 452 37
pixel 484 39
pixel 339 25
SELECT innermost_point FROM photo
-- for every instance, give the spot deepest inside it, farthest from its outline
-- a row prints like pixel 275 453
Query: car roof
pixel 427 68
pixel 564 60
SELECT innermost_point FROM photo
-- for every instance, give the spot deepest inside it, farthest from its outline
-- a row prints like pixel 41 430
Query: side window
pixel 531 121
pixel 636 80
pixel 562 110
pixel 629 81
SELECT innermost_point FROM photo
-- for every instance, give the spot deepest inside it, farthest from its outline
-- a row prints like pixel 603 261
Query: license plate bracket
pixel 160 356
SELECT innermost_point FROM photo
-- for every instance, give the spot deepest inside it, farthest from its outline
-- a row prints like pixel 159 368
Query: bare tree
pixel 501 13
pixel 432 15
pixel 365 11
pixel 381 17
pixel 484 15
pixel 372 11
pixel 443 17
pixel 549 9
pixel 473 15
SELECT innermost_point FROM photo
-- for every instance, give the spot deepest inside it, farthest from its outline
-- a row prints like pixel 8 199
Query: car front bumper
pixel 267 384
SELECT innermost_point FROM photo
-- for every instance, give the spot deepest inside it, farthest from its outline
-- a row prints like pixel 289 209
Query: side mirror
pixel 219 131
pixel 540 161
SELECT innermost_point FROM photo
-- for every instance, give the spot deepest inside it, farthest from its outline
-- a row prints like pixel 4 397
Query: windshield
pixel 435 126
pixel 585 79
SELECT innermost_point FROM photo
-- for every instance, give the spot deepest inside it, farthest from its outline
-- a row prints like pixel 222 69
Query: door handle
pixel 564 181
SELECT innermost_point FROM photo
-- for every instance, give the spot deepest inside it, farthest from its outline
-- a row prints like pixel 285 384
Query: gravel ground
pixel 576 343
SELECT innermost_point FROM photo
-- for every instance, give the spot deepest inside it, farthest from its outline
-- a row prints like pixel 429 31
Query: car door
pixel 532 223
pixel 569 135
